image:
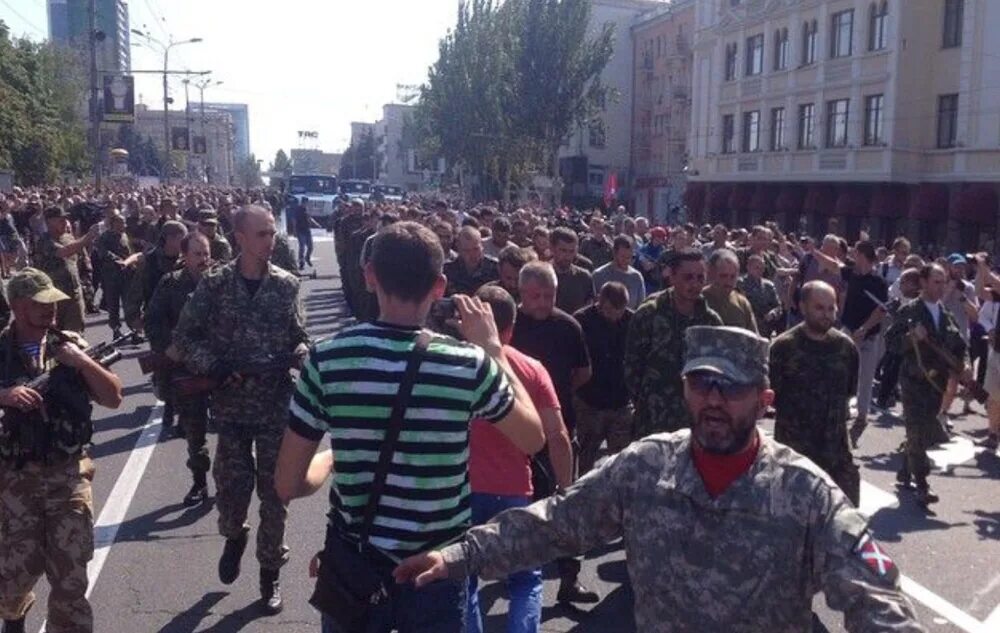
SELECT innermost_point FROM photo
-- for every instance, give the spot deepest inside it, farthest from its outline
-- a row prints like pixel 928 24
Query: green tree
pixel 281 164
pixel 41 131
pixel 144 159
pixel 359 160
pixel 248 173
pixel 510 82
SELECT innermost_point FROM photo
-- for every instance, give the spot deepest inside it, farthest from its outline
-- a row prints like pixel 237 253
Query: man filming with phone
pixel 397 401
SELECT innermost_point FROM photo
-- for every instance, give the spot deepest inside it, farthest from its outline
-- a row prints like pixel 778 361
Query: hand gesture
pixel 421 569
pixel 475 322
pixel 20 397
pixel 70 355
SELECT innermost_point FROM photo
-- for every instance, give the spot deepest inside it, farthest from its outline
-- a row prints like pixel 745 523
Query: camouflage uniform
pixel 221 329
pixel 165 307
pixel 749 560
pixel 813 382
pixel 154 265
pixel 112 249
pixel 65 274
pixel 46 506
pixel 923 376
pixel 283 256
pixel 763 297
pixel 221 249
pixel 344 226
pixel 654 352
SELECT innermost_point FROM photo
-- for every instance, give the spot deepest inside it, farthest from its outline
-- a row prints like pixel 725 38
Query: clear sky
pixel 299 64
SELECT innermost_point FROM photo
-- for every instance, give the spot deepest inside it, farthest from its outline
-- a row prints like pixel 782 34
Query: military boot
pixel 232 554
pixel 925 496
pixel 198 493
pixel 270 592
pixel 13 626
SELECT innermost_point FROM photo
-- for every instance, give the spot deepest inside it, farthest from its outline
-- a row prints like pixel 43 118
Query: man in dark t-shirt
pixel 553 337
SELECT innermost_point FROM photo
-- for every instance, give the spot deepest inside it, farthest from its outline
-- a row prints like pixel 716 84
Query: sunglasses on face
pixel 703 383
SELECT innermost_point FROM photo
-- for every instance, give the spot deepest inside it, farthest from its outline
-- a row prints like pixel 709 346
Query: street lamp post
pixel 202 85
pixel 165 49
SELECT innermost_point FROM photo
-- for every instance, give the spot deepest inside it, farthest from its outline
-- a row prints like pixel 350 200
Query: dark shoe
pixel 196 496
pixel 116 332
pixel 577 593
pixel 13 626
pixel 270 592
pixel 229 564
pixel 926 496
pixel 903 479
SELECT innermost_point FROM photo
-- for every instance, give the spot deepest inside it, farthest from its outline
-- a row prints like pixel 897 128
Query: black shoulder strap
pixel 392 434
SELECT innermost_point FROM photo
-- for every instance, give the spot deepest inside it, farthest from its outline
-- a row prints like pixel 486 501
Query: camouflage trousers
pixel 242 460
pixel 47 527
pixel 921 403
pixel 595 426
pixel 192 416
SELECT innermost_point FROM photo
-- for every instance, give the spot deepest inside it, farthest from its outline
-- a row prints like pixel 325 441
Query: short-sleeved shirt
pixel 559 344
pixel 858 306
pixel 463 281
pixel 496 465
pixel 575 289
pixel 347 388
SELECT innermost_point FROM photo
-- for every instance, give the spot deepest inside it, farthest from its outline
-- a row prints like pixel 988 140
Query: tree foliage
pixel 281 164
pixel 144 158
pixel 511 81
pixel 41 130
pixel 248 173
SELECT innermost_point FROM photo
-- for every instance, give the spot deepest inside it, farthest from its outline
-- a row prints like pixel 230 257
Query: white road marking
pixel 992 622
pixel 874 499
pixel 942 607
pixel 958 451
pixel 116 507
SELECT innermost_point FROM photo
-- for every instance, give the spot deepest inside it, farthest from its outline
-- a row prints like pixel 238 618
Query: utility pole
pixel 202 85
pixel 187 126
pixel 95 116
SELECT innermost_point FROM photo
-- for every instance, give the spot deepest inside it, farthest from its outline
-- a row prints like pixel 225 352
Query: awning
pixel 853 201
pixel 819 200
pixel 790 200
pixel 718 198
pixel 740 197
pixel 977 204
pixel 930 202
pixel 694 198
pixel 889 201
pixel 763 201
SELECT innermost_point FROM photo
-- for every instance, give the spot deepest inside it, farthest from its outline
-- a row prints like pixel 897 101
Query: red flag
pixel 611 188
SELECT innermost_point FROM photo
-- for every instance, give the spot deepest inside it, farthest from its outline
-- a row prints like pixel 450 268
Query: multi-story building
pixel 69 24
pixel 875 114
pixel 217 165
pixel 661 108
pixel 315 161
pixel 593 152
pixel 401 162
pixel 240 115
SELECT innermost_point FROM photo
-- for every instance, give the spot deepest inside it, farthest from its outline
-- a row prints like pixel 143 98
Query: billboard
pixel 179 139
pixel 119 99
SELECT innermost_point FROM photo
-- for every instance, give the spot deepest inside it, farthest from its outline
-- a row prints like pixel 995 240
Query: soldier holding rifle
pixel 46 507
pixel 244 315
pixel 928 338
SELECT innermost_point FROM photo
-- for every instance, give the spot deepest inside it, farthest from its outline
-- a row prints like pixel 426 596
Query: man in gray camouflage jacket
pixel 707 548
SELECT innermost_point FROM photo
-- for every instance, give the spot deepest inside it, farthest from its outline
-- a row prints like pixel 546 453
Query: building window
pixel 836 123
pixel 755 55
pixel 777 129
pixel 954 11
pixel 751 131
pixel 841 34
pixel 731 52
pixel 874 118
pixel 807 126
pixel 598 135
pixel 810 33
pixel 947 123
pixel 728 133
pixel 781 49
pixel 878 25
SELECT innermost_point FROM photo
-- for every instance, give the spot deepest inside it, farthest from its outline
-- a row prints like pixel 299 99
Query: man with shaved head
pixel 472 268
pixel 814 374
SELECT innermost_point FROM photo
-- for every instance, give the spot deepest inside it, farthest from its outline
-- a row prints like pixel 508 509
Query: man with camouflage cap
pixel 724 528
pixel 56 254
pixel 219 247
pixel 46 508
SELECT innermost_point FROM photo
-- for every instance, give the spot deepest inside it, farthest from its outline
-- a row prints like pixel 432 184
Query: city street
pixel 155 565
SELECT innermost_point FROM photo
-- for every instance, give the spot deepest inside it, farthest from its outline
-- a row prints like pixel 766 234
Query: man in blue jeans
pixel 346 389
pixel 500 473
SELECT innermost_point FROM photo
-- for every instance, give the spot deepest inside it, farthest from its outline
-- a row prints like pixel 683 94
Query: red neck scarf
pixel 718 472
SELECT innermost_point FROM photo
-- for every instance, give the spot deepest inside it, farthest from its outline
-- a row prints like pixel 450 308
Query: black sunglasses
pixel 702 383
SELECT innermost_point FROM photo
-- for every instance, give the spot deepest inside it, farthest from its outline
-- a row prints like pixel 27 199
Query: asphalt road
pixel 155 567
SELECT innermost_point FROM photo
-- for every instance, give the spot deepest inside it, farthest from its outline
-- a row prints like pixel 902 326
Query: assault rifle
pixel 74 402
pixel 190 386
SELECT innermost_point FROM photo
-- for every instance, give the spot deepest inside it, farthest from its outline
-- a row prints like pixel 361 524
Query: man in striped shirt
pixel 346 389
